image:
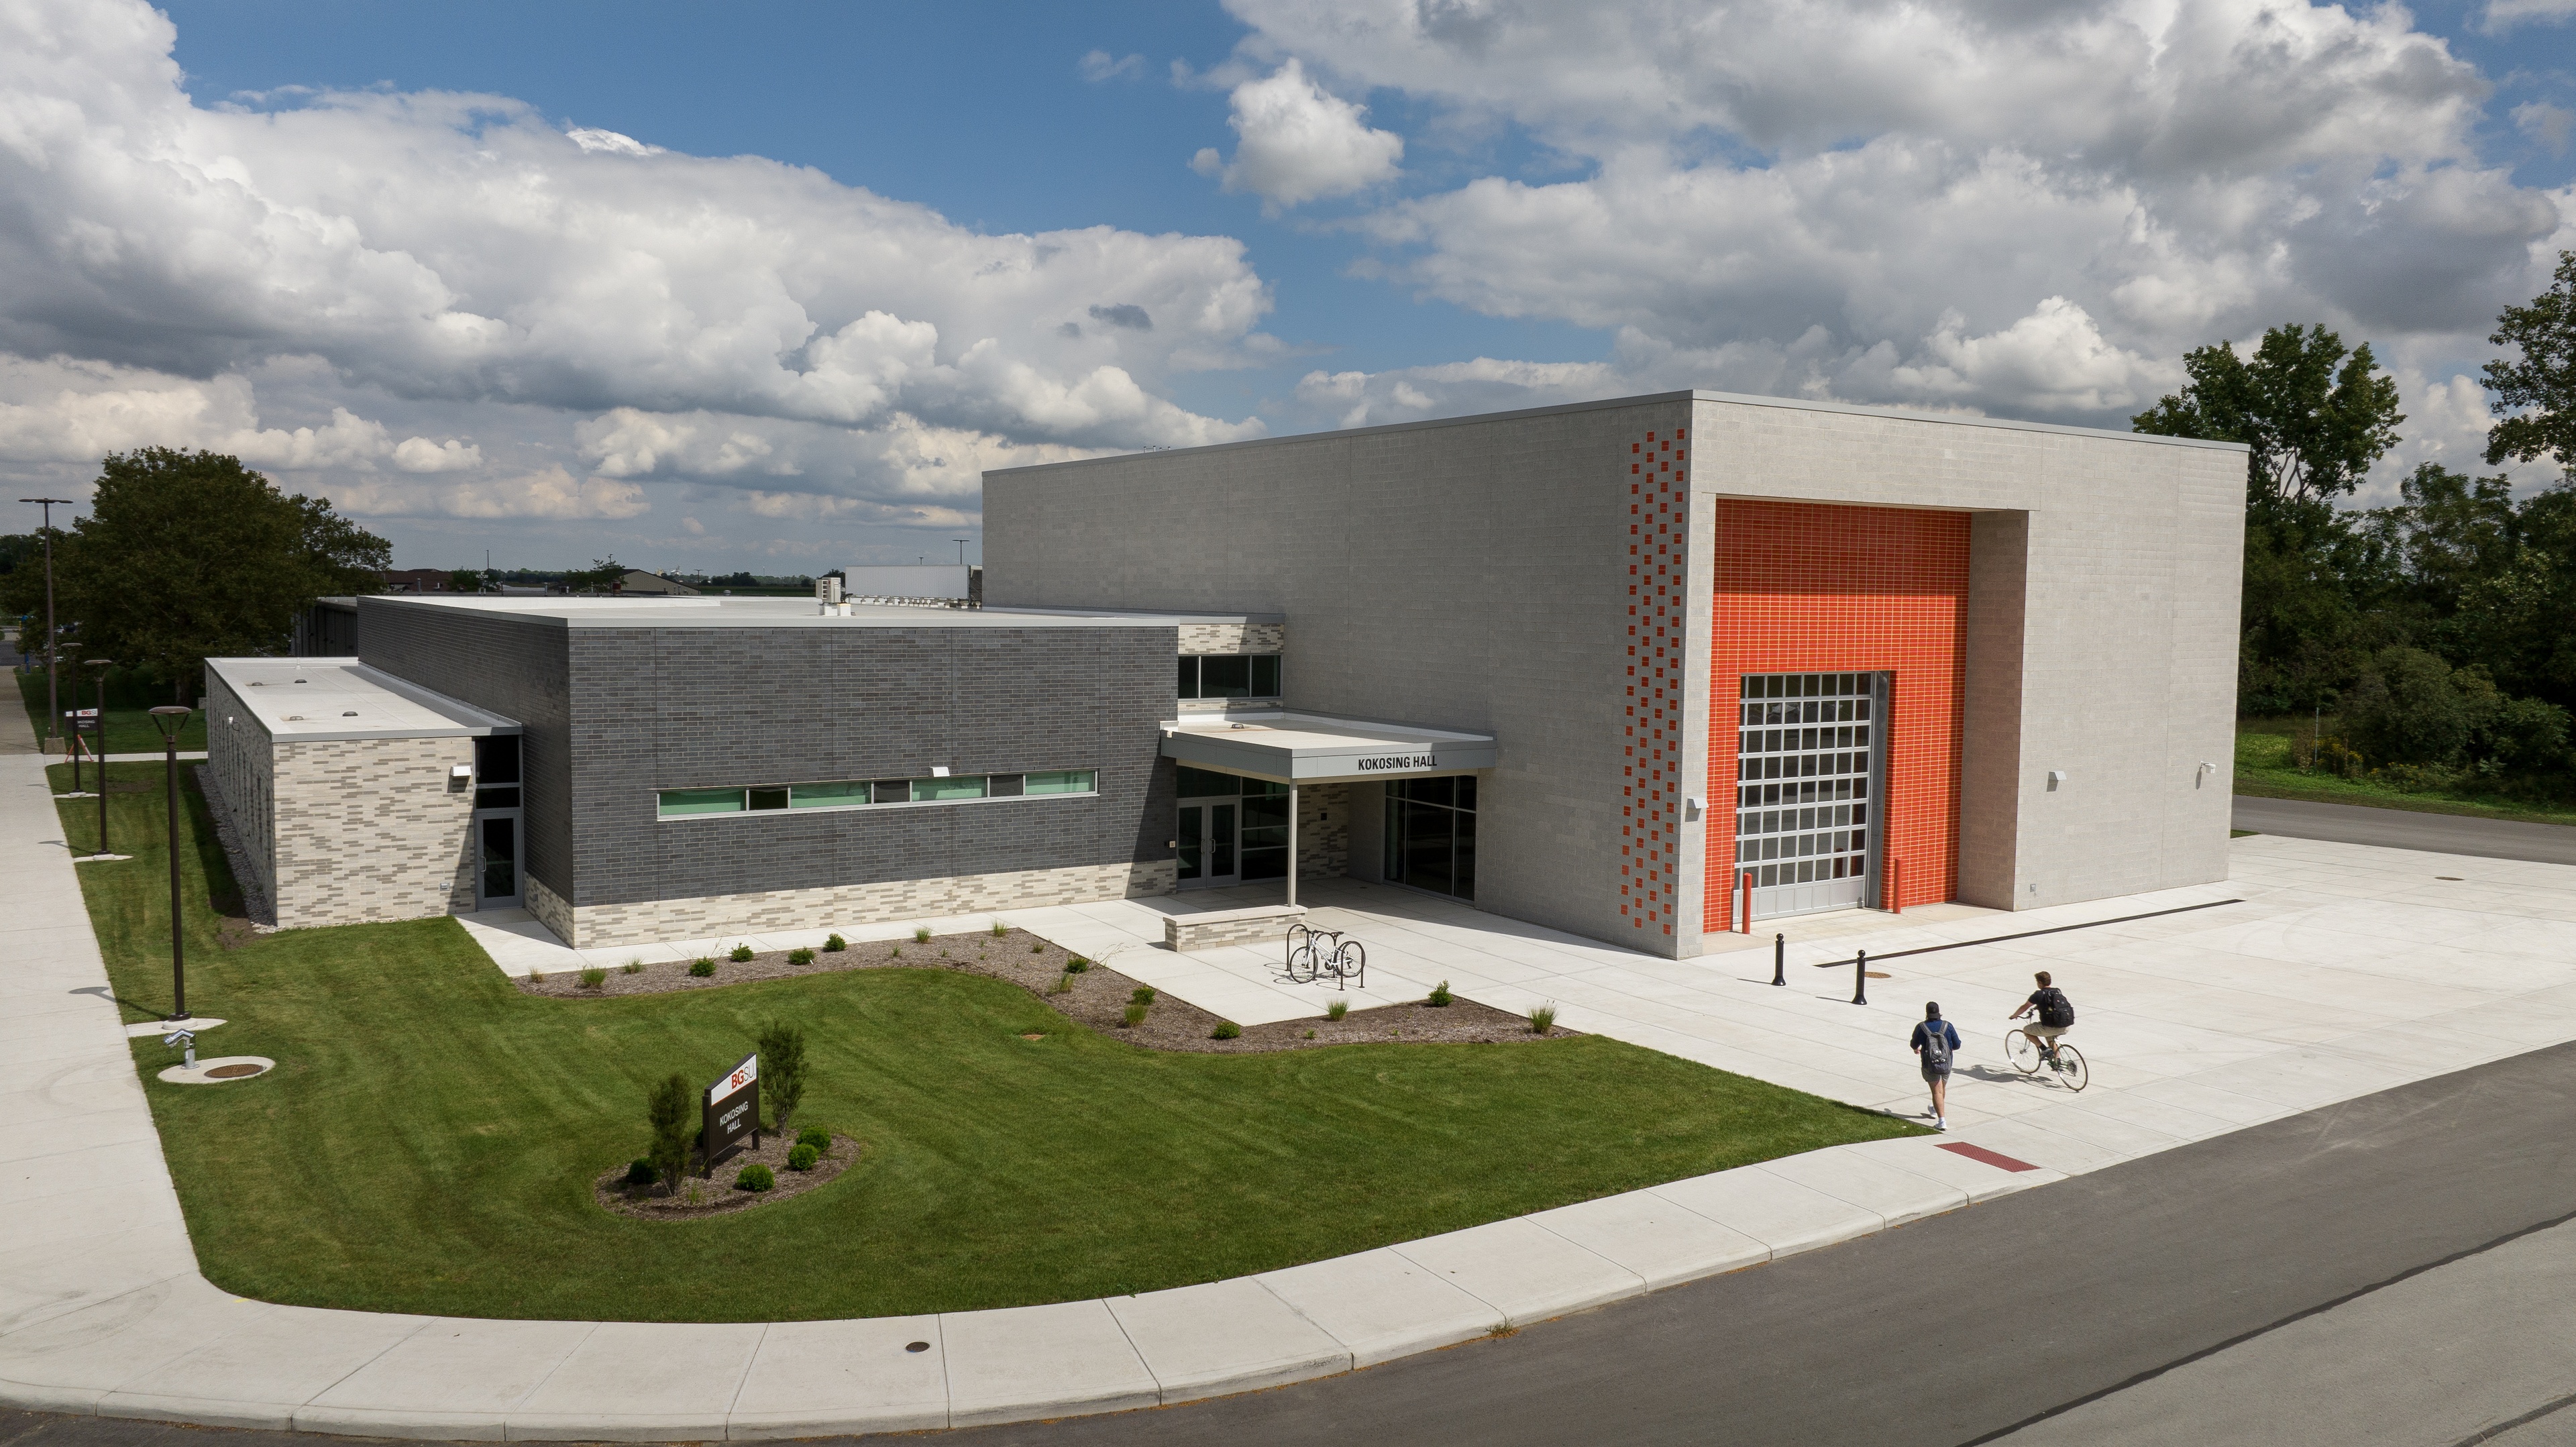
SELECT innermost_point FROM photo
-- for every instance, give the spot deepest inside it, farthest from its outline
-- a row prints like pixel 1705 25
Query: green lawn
pixel 2264 770
pixel 129 703
pixel 429 1137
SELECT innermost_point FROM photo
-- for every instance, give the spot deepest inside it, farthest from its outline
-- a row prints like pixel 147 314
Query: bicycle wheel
pixel 2070 1067
pixel 1301 962
pixel 2022 1052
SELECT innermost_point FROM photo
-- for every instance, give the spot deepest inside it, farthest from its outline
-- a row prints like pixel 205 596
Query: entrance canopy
pixel 1303 748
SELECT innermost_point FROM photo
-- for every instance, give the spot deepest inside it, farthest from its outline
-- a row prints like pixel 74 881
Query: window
pixel 1431 834
pixel 867 793
pixel 1209 784
pixel 1230 675
pixel 496 771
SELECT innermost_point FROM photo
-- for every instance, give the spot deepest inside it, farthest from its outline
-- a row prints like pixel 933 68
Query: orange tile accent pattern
pixel 1656 502
pixel 1815 587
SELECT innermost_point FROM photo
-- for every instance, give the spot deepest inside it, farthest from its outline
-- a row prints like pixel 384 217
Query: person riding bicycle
pixel 2056 1014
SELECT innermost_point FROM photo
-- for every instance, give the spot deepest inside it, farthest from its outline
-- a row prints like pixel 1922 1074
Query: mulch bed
pixel 1098 996
pixel 717 1196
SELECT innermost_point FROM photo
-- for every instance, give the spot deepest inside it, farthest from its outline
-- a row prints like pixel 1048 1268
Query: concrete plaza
pixel 2344 970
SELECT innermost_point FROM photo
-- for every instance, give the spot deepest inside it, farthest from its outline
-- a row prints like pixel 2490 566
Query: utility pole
pixel 53 685
pixel 961 550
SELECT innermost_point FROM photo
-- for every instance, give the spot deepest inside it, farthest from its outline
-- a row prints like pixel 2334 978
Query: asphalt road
pixel 2381 1271
pixel 2405 829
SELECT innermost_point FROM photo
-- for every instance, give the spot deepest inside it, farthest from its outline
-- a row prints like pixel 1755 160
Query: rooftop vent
pixel 295 718
pixel 259 683
pixel 299 680
pixel 349 713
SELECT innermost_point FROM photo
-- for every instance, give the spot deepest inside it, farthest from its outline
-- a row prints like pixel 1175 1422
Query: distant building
pixel 640 584
pixel 419 580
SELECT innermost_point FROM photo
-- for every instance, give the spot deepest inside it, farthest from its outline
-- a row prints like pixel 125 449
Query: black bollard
pixel 1860 979
pixel 1779 959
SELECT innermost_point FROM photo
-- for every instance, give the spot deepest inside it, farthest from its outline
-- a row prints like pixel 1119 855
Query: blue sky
pixel 587 315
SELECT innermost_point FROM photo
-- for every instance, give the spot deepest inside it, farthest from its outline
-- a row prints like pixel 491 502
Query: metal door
pixel 497 864
pixel 1208 853
pixel 1810 771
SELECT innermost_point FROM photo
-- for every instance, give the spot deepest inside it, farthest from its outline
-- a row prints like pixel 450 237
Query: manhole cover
pixel 232 1072
pixel 919 1346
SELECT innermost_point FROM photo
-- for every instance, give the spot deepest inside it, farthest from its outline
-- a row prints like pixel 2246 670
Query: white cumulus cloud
pixel 1297 142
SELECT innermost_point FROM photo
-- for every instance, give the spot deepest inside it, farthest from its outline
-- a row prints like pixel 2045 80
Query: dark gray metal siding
pixel 514 668
pixel 717 707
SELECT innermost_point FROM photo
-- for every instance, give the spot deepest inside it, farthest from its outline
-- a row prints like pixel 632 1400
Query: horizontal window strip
pixel 872 793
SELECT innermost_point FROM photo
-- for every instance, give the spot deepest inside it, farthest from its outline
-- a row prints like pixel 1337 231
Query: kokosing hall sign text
pixel 732 1112
pixel 1386 762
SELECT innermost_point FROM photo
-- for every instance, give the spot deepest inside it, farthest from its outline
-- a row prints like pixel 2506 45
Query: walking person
pixel 1937 1041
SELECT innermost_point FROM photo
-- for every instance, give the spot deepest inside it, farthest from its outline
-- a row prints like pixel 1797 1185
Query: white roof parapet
pixel 1299 748
pixel 316 700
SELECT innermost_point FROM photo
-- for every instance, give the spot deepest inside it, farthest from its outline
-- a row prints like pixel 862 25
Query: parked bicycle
pixel 2060 1059
pixel 1314 954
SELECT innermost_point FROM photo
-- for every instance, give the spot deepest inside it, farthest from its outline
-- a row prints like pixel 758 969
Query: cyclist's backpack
pixel 2055 1010
pixel 1936 1045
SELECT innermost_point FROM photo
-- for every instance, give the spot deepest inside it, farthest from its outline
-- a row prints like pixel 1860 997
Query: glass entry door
pixel 1208 852
pixel 1811 764
pixel 496 859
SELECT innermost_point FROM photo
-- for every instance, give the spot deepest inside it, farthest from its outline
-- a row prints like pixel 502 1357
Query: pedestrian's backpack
pixel 1936 1044
pixel 2055 1010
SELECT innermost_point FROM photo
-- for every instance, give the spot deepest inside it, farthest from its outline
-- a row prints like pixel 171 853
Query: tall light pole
pixel 170 719
pixel 961 550
pixel 53 689
pixel 102 665
pixel 75 743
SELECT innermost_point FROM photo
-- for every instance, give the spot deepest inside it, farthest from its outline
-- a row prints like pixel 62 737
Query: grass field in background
pixel 428 1140
pixel 130 699
pixel 2264 770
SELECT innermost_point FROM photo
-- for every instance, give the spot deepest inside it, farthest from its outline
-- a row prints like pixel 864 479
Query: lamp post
pixel 169 719
pixel 102 665
pixel 53 689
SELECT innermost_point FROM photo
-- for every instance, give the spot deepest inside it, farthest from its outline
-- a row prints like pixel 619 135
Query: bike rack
pixel 1313 954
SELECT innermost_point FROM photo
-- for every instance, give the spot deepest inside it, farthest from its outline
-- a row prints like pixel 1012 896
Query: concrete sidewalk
pixel 102 1309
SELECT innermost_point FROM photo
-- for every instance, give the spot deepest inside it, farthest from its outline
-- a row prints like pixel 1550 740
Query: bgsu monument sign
pixel 732 1112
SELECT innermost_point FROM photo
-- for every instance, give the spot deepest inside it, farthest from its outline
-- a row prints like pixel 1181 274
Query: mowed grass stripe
pixel 429 1137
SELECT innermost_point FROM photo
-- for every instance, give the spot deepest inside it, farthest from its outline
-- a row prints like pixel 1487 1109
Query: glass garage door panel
pixel 1809 767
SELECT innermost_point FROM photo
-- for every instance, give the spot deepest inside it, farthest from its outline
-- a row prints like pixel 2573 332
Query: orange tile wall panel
pixel 1655 506
pixel 1814 588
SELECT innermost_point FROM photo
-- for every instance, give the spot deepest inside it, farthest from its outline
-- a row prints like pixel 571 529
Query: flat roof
pixel 718 612
pixel 1741 399
pixel 1305 748
pixel 313 700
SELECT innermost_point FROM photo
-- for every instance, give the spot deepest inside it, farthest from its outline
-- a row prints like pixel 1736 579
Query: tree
pixel 782 1069
pixel 675 1129
pixel 186 556
pixel 602 575
pixel 465 580
pixel 2535 401
pixel 2315 418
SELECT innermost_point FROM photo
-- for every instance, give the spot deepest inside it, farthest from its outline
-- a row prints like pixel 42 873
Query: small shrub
pixel 782 1063
pixel 755 1177
pixel 593 978
pixel 1076 965
pixel 668 1111
pixel 1225 1030
pixel 1132 1016
pixel 803 1158
pixel 1063 985
pixel 1144 995
pixel 1037 947
pixel 898 952
pixel 815 1136
pixel 1439 994
pixel 1000 929
pixel 1543 1019
pixel 921 935
pixel 740 954
pixel 632 967
pixel 702 967
pixel 536 977
pixel 1310 1034
pixel 800 957
pixel 642 1172
pixel 835 945
pixel 1337 1009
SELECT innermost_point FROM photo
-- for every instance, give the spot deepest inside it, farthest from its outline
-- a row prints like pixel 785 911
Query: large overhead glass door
pixel 1233 830
pixel 1810 765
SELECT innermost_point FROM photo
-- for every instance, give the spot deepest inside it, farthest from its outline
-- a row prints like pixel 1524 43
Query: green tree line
pixel 2432 633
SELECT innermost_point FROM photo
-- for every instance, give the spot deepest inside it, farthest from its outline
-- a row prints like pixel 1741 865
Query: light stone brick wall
pixel 370 830
pixel 1263 926
pixel 715 917
pixel 1323 831
pixel 242 758
pixel 1234 638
